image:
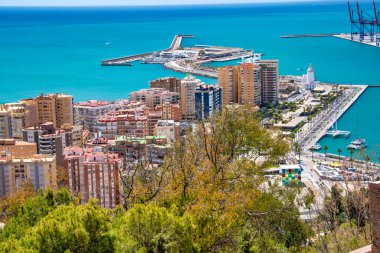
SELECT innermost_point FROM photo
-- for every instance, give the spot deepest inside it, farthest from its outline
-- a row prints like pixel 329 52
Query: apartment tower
pixel 228 80
pixel 188 86
pixel 55 108
pixel 269 81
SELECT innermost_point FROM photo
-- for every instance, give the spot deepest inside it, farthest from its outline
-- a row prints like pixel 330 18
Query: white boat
pixel 316 146
pixel 358 144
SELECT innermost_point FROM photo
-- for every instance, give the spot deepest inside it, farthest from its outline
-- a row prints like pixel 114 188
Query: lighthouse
pixel 310 79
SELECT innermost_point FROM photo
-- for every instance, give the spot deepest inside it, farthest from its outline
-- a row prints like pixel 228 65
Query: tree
pixel 11 204
pixel 325 148
pixel 72 228
pixel 296 147
pixel 352 151
pixel 32 211
pixel 148 228
pixel 339 152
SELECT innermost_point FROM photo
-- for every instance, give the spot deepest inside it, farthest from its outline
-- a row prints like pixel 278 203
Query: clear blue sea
pixel 59 50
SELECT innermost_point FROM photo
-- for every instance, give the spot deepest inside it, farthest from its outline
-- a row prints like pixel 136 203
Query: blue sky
pixel 125 2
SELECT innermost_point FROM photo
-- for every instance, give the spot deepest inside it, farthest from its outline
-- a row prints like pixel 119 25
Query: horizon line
pixel 178 4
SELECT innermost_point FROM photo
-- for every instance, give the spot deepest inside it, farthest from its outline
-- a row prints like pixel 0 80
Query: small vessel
pixel 358 144
pixel 144 62
pixel 316 146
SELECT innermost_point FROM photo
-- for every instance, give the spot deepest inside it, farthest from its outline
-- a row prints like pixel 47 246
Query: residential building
pixel 124 122
pixel 228 81
pixel 155 96
pixel 241 84
pixel 269 81
pixel 18 149
pixel 87 113
pixel 169 111
pixel 31 105
pixel 171 84
pixel 39 169
pixel 13 117
pixel 249 84
pixel 168 128
pixel 188 86
pixel 254 83
pixel 55 108
pixel 52 141
pixel 92 174
pixel 151 149
pixel 153 117
pixel 208 100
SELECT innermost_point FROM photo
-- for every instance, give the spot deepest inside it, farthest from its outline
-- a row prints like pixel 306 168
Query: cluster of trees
pixel 209 196
pixel 343 224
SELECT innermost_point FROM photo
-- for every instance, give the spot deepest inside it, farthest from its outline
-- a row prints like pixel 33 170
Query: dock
pixel 337 133
pixel 325 120
pixel 356 38
pixel 126 60
pixel 295 36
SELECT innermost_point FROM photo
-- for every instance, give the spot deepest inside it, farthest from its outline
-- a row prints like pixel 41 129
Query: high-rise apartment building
pixel 249 90
pixel 55 108
pixel 208 100
pixel 39 169
pixel 171 84
pixel 269 81
pixel 228 81
pixel 250 83
pixel 188 86
pixel 91 174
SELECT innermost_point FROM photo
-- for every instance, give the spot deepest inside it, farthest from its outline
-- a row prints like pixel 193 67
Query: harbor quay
pixel 313 131
pixel 185 60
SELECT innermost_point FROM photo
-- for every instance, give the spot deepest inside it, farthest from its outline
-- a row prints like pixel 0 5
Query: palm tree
pixel 325 148
pixel 339 151
pixel 296 146
pixel 352 151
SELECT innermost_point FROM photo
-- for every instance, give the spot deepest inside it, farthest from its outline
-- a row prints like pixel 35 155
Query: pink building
pixel 91 174
pixel 131 122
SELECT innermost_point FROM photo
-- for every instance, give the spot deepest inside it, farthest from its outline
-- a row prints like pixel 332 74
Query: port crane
pixel 364 24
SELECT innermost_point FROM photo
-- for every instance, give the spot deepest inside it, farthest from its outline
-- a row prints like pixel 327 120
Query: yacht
pixel 316 146
pixel 358 144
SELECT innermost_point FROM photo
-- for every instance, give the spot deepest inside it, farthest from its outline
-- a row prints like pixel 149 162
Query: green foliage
pixel 28 214
pixel 153 229
pixel 74 228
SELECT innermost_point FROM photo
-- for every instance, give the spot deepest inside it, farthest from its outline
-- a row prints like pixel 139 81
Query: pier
pixel 126 60
pixel 313 131
pixel 295 36
pixel 366 40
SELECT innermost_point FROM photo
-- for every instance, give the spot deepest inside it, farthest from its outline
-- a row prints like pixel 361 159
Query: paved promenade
pixel 313 131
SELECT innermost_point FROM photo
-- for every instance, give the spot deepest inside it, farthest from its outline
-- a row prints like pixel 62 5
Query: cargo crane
pixel 363 24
